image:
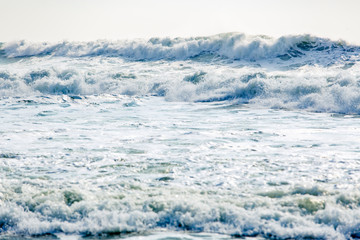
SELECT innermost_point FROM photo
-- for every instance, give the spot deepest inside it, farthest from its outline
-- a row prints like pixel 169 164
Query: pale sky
pixel 86 20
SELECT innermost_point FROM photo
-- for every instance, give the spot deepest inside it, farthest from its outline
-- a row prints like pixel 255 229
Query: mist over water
pixel 207 137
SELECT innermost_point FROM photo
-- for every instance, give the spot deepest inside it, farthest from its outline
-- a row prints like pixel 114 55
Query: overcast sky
pixel 84 20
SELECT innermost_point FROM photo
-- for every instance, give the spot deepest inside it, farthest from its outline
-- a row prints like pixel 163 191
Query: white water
pixel 207 147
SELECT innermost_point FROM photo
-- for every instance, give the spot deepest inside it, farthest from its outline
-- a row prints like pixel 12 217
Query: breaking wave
pixel 312 88
pixel 292 72
pixel 230 45
pixel 91 149
pixel 76 212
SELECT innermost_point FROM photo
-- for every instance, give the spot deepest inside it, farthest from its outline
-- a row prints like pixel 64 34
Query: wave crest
pixel 233 46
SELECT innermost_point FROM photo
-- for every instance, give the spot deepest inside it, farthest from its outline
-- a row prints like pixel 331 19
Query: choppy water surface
pixel 251 137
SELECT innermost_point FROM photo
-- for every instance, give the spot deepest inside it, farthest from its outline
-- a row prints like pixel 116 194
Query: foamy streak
pixel 231 45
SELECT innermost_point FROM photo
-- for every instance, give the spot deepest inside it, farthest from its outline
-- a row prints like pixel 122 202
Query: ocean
pixel 220 137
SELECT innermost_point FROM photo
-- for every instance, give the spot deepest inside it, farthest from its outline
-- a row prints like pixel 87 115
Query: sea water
pixel 197 138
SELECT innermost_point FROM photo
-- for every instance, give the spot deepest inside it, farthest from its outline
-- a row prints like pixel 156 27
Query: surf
pixel 234 46
pixel 291 72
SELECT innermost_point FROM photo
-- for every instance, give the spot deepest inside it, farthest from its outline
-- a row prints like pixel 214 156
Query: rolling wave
pixel 312 88
pixel 52 212
pixel 233 46
pixel 293 72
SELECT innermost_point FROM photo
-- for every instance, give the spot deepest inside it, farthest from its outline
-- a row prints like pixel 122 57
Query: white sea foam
pixel 48 212
pixel 42 212
pixel 98 165
pixel 315 88
pixel 289 72
pixel 226 134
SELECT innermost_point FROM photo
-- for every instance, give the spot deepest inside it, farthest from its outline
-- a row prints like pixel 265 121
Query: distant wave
pixel 293 72
pixel 233 46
